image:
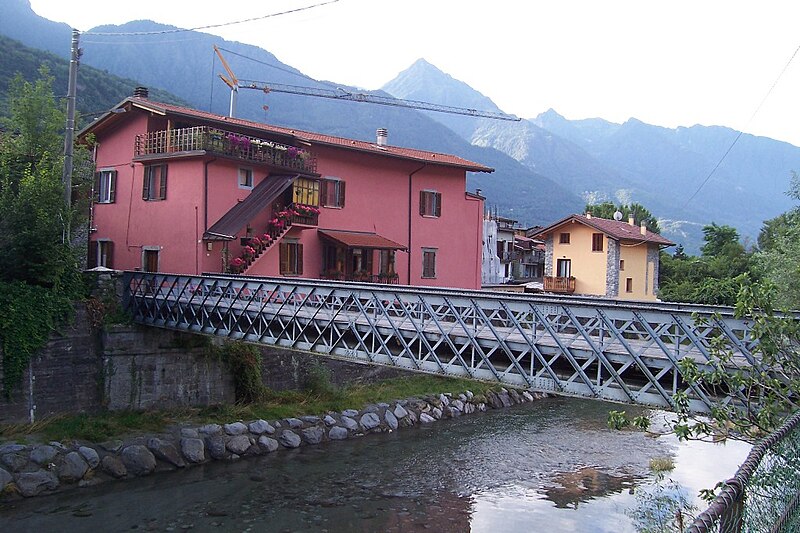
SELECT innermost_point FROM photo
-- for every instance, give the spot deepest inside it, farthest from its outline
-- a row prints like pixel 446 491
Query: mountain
pixel 97 90
pixel 673 172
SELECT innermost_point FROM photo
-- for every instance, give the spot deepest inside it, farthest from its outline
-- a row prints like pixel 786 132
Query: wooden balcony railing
pixel 225 143
pixel 556 284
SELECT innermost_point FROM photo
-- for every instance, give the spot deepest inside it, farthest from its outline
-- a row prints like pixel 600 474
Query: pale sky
pixel 670 63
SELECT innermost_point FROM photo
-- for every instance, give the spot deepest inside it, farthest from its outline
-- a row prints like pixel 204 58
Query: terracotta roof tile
pixel 616 229
pixel 314 138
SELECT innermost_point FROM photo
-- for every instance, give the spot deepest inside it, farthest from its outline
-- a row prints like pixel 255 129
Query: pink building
pixel 184 191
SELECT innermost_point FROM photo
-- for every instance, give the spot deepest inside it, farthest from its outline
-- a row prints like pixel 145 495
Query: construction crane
pixel 340 94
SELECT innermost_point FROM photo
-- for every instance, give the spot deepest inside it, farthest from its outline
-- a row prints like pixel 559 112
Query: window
pixel 564 268
pixel 332 193
pixel 428 262
pixel 101 253
pixel 622 264
pixel 430 203
pixel 628 284
pixel 387 262
pixel 597 242
pixel 563 238
pixel 305 191
pixel 150 259
pixel 291 258
pixel 105 186
pixel 245 178
pixel 154 185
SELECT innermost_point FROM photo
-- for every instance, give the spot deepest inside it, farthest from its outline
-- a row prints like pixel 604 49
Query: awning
pixel 359 239
pixel 262 195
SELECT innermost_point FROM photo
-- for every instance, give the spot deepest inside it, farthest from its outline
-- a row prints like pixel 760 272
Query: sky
pixel 669 63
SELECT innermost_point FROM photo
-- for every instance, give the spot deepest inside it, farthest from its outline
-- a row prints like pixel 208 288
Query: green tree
pixel 639 212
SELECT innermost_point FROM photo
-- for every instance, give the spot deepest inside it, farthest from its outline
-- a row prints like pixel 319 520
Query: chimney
pixel 643 228
pixel 631 221
pixel 588 215
pixel 141 92
pixel 383 136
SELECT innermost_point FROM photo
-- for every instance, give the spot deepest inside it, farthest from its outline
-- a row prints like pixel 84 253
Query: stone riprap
pixel 31 470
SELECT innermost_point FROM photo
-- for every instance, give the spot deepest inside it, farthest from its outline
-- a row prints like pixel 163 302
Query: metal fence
pixel 764 495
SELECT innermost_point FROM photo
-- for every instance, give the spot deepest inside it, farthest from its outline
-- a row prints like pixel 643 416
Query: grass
pixel 318 399
pixel 659 465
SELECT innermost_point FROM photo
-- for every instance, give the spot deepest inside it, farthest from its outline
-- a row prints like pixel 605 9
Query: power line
pixel 760 105
pixel 210 26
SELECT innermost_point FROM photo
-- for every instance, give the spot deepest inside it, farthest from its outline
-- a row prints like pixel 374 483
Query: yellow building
pixel 611 258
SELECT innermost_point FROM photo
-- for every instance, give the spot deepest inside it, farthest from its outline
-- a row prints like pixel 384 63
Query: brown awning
pixel 359 239
pixel 262 195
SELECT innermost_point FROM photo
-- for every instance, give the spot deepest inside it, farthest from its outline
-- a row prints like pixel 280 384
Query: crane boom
pixel 341 94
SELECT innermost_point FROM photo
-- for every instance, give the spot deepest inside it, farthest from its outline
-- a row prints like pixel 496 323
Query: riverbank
pixel 28 470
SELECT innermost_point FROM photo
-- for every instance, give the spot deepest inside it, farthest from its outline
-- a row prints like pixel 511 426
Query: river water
pixel 549 466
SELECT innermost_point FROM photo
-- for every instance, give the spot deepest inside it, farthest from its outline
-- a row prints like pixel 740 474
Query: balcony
pixel 226 144
pixel 560 285
pixel 361 277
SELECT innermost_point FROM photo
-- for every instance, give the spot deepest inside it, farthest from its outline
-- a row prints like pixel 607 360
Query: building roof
pixel 298 135
pixel 360 239
pixel 616 229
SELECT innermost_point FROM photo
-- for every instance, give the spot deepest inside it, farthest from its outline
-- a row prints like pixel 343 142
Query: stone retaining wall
pixel 42 469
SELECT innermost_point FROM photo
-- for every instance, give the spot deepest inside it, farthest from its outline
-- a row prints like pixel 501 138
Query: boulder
pixel 349 423
pixel 190 433
pixel 289 439
pixel 527 396
pixel 338 433
pixel 311 419
pixel 216 447
pixel 267 444
pixel 113 467
pixel 138 460
pixel 14 461
pixel 238 444
pixel 329 420
pixel 5 479
pixel 370 421
pixel 210 429
pixel 400 411
pixel 313 435
pixel 350 413
pixel 35 483
pixel 194 450
pixel 165 451
pixel 41 455
pixel 425 418
pixel 436 413
pixel 391 420
pixel 237 428
pixel 72 468
pixel 294 423
pixel 259 427
pixel 90 455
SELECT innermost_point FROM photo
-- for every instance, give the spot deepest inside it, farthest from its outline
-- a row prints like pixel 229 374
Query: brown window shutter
pixel 110 252
pixel 91 260
pixel 422 202
pixel 323 193
pixel 148 172
pixel 96 194
pixel 162 194
pixel 340 200
pixel 438 197
pixel 284 257
pixel 299 248
pixel 112 193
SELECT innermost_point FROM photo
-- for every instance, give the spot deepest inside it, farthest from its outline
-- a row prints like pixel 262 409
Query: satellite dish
pixel 617 215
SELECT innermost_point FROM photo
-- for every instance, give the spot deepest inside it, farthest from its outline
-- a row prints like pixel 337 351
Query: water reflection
pixel 549 466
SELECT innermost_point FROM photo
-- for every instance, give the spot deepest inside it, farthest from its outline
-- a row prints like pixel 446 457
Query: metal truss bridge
pixel 604 349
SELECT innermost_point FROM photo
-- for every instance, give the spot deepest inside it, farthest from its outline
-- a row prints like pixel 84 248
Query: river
pixel 549 466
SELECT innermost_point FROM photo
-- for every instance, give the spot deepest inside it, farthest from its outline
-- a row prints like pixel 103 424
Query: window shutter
pixel 284 257
pixel 112 188
pixel 148 172
pixel 422 196
pixel 91 260
pixel 438 197
pixel 299 269
pixel 323 193
pixel 340 200
pixel 110 251
pixel 162 194
pixel 96 195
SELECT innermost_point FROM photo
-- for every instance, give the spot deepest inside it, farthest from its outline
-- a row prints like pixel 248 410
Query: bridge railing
pixel 591 347
pixel 763 495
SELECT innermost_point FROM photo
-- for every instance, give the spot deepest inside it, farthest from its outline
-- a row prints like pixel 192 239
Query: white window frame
pixel 247 174
pixel 106 193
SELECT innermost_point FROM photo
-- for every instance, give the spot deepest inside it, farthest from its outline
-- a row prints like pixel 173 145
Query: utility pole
pixel 66 178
